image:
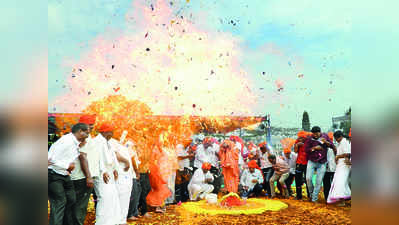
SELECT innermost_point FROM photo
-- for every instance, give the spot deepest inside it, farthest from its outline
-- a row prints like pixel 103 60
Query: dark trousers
pixel 82 193
pixel 145 189
pixel 267 174
pixel 62 197
pixel 181 190
pixel 257 190
pixel 217 181
pixel 134 199
pixel 327 180
pixel 300 179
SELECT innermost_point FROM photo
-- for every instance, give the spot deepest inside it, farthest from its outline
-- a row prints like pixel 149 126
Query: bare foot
pixel 147 215
pixel 133 218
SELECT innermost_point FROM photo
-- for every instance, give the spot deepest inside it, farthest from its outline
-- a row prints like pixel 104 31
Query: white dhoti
pixel 199 190
pixel 171 186
pixel 124 187
pixel 340 185
pixel 108 207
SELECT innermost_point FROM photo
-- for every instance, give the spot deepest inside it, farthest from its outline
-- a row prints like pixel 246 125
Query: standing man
pixel 144 180
pixel 330 171
pixel 316 149
pixel 133 212
pixel 301 164
pixel 266 166
pixel 61 157
pixel 207 152
pixel 86 170
pixel 108 207
pixel 125 178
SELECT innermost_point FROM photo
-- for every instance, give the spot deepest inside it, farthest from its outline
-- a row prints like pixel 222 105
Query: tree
pixel 305 121
pixel 346 125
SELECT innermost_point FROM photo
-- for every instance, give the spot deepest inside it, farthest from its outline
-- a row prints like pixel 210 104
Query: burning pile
pixel 231 200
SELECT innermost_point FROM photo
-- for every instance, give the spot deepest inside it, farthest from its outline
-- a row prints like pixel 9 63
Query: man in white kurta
pixel 340 190
pixel 199 185
pixel 125 178
pixel 108 207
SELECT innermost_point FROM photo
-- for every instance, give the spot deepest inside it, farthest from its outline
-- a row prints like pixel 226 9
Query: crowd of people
pixel 126 185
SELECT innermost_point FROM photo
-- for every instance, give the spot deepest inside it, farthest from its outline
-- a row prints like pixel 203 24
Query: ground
pixel 298 212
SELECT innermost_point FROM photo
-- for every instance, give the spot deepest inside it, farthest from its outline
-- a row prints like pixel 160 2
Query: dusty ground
pixel 298 212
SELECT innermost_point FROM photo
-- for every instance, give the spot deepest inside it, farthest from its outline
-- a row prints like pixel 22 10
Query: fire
pixel 148 131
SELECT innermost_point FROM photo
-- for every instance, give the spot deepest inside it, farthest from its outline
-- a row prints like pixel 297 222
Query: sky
pixel 269 57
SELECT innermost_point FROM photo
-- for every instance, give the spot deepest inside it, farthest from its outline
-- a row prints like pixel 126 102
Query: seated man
pixel 251 180
pixel 200 184
pixel 281 173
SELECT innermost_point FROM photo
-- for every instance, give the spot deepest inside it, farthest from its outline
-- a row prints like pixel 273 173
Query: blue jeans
pixel 320 169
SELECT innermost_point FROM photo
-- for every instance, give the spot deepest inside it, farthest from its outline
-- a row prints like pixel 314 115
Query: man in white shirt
pixel 208 152
pixel 290 158
pixel 251 180
pixel 281 172
pixel 266 166
pixel 108 207
pixel 61 157
pixel 330 171
pixel 86 170
pixel 201 182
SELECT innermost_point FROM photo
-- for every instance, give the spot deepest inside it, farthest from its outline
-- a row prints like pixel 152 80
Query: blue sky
pixel 331 43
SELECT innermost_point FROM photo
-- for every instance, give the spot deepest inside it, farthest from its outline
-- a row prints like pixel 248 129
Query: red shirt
pixel 302 157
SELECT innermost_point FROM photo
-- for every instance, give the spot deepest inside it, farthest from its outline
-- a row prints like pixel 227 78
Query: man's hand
pixel 348 161
pixel 137 176
pixel 245 188
pixel 299 144
pixel 89 182
pixel 254 181
pixel 116 175
pixel 208 180
pixel 336 159
pixel 323 140
pixel 127 167
pixel 71 167
pixel 49 162
pixel 81 144
pixel 106 178
pixel 318 147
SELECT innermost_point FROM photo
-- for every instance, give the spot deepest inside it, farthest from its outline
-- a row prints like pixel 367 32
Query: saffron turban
pixel 87 119
pixel 105 127
pixel 331 135
pixel 263 144
pixel 252 164
pixel 303 134
pixel 206 166
pixel 287 150
pixel 193 147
